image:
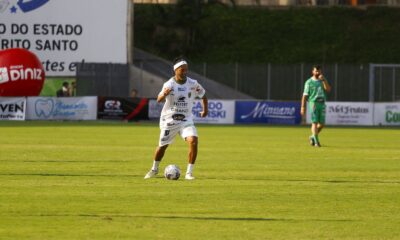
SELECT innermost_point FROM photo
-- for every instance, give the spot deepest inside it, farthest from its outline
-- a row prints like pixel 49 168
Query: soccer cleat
pixel 150 174
pixel 317 144
pixel 312 140
pixel 189 176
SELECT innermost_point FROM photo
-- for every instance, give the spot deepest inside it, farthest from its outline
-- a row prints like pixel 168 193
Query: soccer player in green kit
pixel 315 91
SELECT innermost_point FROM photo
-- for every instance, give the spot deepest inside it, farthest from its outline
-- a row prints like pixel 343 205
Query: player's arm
pixel 304 98
pixel 325 83
pixel 161 97
pixel 303 104
pixel 204 105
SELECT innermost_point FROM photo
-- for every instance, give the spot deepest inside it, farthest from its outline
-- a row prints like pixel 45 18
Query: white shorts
pixel 167 136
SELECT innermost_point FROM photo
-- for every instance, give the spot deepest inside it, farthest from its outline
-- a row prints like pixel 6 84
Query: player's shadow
pixel 256 219
pixel 70 175
pixel 205 218
pixel 333 181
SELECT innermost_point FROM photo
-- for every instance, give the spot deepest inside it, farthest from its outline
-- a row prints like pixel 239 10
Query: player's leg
pixel 314 131
pixel 320 126
pixel 189 133
pixel 318 111
pixel 166 137
pixel 311 137
pixel 158 156
pixel 321 120
pixel 192 141
pixel 316 135
pixel 322 117
pixel 314 120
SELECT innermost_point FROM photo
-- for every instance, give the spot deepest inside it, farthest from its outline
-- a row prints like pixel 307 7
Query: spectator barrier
pixel 64 108
pixel 387 114
pixel 12 108
pixel 267 112
pixel 348 113
pixel 117 108
pixel 220 111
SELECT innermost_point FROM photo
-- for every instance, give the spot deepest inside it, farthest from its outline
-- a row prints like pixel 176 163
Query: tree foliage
pixel 213 32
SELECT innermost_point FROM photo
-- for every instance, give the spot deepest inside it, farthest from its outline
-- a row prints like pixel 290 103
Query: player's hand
pixel 303 115
pixel 166 91
pixel 321 77
pixel 203 113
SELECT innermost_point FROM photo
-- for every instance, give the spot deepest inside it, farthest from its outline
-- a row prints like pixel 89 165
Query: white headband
pixel 178 64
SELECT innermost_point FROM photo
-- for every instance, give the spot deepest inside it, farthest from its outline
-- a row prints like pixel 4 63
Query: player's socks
pixel 189 171
pixel 189 168
pixel 312 141
pixel 316 139
pixel 155 165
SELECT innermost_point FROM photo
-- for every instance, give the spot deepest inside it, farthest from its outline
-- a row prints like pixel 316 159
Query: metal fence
pixel 284 82
pixel 102 79
pixel 350 82
pixel 384 82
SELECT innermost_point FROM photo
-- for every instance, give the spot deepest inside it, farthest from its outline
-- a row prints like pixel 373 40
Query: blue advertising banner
pixel 267 112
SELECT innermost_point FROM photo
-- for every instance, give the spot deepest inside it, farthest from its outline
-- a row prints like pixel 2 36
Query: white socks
pixel 155 165
pixel 190 168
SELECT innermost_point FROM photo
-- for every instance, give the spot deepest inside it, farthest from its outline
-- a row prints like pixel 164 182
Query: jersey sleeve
pixel 200 91
pixel 166 85
pixel 306 89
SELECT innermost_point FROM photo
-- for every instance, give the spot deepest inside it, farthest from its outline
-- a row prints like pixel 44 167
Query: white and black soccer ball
pixel 172 172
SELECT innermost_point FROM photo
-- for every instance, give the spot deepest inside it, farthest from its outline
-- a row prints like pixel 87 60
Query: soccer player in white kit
pixel 179 92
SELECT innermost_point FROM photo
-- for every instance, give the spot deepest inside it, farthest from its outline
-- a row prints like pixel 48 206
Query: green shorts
pixel 317 111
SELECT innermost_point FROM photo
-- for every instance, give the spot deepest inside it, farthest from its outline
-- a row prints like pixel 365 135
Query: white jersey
pixel 177 110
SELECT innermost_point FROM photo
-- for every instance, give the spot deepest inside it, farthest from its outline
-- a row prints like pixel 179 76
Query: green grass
pixel 71 180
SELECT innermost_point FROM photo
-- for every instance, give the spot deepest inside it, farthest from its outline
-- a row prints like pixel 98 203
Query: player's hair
pixel 178 59
pixel 316 66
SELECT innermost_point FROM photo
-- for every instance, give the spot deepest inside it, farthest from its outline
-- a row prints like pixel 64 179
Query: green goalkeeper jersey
pixel 314 89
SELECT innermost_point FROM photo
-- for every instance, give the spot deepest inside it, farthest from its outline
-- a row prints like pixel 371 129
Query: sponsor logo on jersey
pixel 179 117
pixel 165 138
pixel 181 103
pixel 181 89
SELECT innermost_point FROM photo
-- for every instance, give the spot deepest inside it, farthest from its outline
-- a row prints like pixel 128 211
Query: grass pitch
pixel 69 180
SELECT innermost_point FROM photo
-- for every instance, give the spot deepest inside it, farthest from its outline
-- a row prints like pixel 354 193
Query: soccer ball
pixel 172 172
